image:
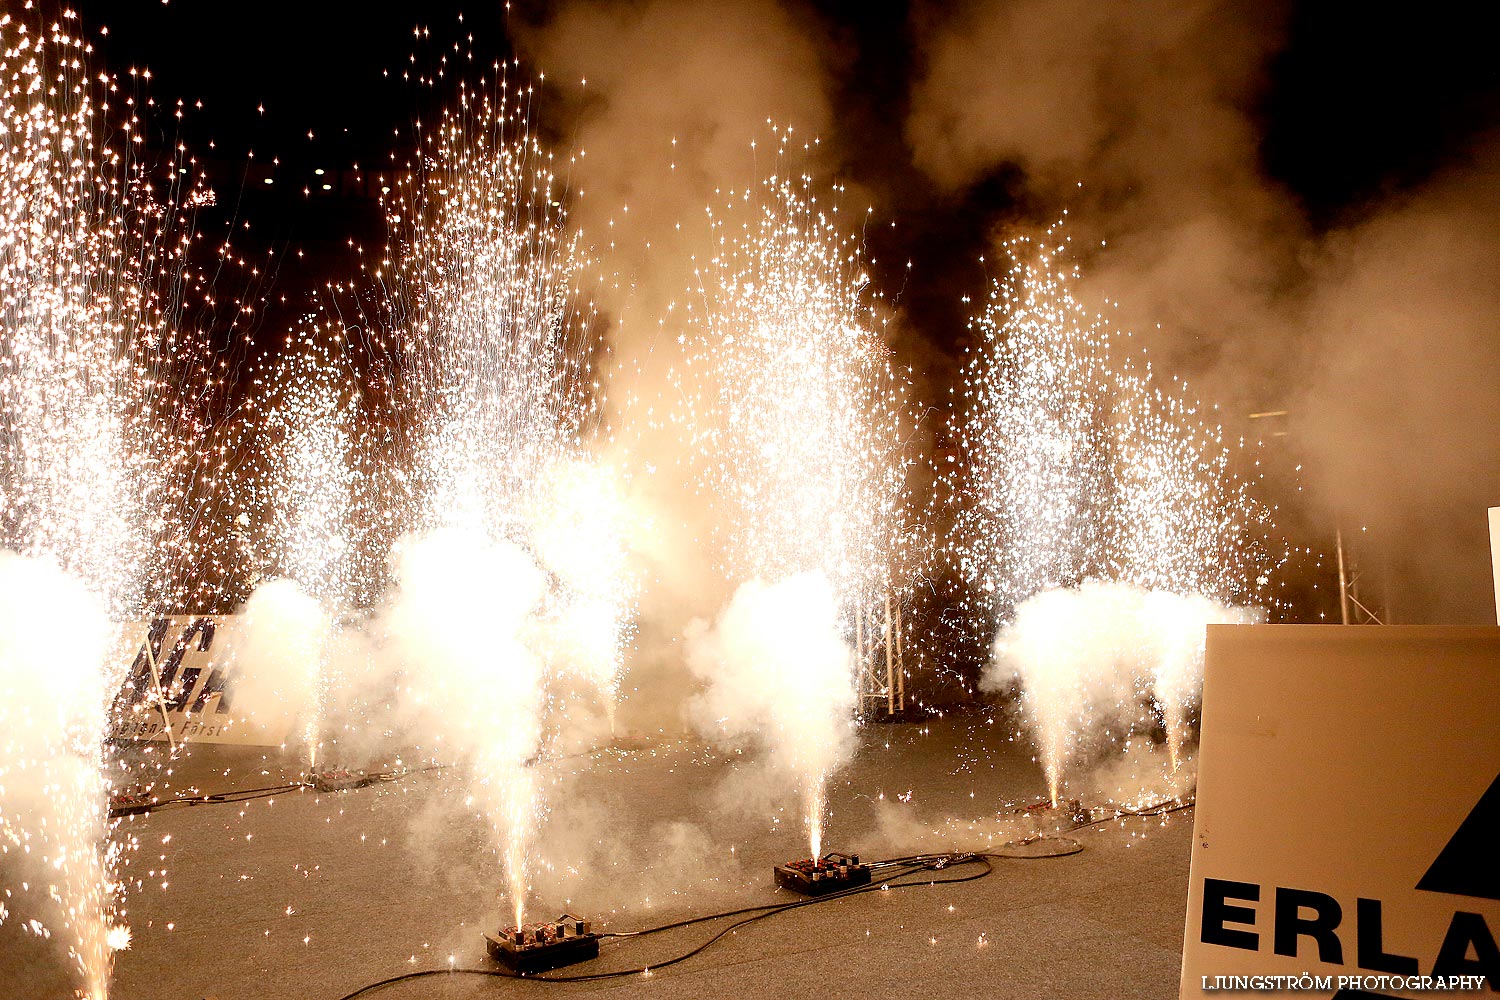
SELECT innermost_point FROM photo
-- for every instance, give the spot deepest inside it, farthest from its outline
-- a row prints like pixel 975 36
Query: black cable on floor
pixel 266 791
pixel 919 863
pixel 1160 809
pixel 791 904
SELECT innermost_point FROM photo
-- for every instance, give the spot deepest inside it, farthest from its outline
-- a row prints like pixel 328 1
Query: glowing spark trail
pixel 312 494
pixel 68 283
pixel 312 489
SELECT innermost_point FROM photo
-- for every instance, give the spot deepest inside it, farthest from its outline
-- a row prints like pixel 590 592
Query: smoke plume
pixel 277 661
pixel 668 97
pixel 459 628
pixel 1088 659
pixel 54 690
pixel 779 676
pixel 1400 404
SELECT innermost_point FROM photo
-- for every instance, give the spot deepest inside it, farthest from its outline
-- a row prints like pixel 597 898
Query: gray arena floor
pixel 305 896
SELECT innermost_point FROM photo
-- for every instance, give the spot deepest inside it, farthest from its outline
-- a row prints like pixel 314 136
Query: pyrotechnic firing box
pixel 539 947
pixel 1067 815
pixel 338 779
pixel 129 803
pixel 831 873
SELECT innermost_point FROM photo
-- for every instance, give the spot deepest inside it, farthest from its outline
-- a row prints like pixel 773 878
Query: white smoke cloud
pixel 486 655
pixel 277 661
pixel 1399 403
pixel 1140 121
pixel 580 532
pixel 459 629
pixel 779 676
pixel 676 93
pixel 1088 658
pixel 54 691
pixel 597 864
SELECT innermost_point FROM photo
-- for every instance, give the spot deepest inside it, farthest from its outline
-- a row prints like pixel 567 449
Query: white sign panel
pixel 1495 555
pixel 185 665
pixel 1346 841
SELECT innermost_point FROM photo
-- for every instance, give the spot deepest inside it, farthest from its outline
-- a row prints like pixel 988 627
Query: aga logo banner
pixel 1347 832
pixel 180 673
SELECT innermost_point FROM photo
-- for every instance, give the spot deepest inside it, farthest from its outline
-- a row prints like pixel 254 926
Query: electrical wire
pixel 1163 808
pixel 885 886
pixel 946 859
pixel 1064 848
pixel 247 794
pixel 234 795
pixel 910 866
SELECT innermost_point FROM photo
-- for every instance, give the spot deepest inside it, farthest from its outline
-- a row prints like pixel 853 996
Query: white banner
pixel 1495 555
pixel 185 664
pixel 1346 841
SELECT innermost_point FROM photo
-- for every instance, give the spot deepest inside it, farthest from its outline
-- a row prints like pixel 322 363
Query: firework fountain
pixel 64 379
pixel 100 392
pixel 512 571
pixel 798 414
pixel 1100 520
pixel 311 493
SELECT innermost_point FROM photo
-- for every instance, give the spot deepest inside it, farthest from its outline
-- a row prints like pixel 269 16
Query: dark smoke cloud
pixel 1136 119
pixel 1402 411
